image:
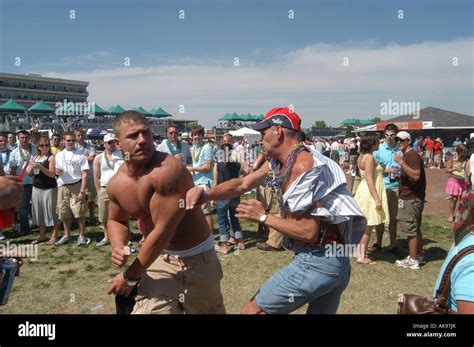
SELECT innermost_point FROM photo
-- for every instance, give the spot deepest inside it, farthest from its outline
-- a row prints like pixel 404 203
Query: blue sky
pixel 191 61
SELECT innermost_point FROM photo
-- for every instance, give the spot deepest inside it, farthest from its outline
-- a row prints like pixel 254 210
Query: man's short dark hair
pixel 171 126
pixel 26 132
pixel 68 133
pixel 391 127
pixel 126 117
pixel 197 130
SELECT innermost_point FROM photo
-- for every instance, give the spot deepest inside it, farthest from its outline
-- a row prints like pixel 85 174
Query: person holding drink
pixel 45 191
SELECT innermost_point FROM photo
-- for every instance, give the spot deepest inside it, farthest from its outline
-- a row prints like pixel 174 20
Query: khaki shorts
pixel 69 204
pixel 392 201
pixel 409 217
pixel 177 285
pixel 265 196
pixel 90 190
pixel 103 202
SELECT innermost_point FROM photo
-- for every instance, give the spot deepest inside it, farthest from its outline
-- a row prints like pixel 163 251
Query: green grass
pixel 71 279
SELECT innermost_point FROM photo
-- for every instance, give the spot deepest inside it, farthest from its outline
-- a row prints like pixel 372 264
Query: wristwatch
pixel 263 218
pixel 130 282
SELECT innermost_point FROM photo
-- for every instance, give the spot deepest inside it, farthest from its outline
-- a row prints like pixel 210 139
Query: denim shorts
pixel 311 278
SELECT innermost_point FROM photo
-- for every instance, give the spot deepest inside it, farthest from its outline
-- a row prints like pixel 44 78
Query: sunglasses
pixel 70 140
pixel 389 135
pixel 399 140
pixel 173 133
pixel 43 145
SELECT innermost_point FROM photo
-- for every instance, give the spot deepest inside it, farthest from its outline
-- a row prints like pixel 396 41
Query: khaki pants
pixel 103 202
pixel 177 285
pixel 265 196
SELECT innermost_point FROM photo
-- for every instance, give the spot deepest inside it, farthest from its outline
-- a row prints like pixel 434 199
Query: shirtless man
pixel 317 211
pixel 152 186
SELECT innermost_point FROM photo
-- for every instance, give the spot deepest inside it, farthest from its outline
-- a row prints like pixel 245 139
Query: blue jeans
pixel 25 208
pixel 311 278
pixel 226 209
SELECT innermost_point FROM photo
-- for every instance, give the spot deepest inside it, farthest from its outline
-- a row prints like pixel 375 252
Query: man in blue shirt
pixel 201 169
pixel 385 155
pixel 457 142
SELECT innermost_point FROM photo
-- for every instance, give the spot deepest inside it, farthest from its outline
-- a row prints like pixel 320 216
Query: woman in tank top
pixel 45 191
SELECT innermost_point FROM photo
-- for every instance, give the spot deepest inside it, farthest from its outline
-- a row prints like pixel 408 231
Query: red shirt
pixel 438 148
pixel 429 144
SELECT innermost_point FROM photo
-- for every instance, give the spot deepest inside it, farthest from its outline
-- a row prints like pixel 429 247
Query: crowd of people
pixel 171 189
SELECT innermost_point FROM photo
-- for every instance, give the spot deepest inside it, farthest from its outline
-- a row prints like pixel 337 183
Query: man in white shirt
pixel 335 151
pixel 72 168
pixel 106 165
pixel 173 146
pixel 19 158
pixel 90 152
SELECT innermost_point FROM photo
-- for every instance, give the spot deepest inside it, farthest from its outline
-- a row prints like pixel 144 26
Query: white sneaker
pixel 62 241
pixel 103 242
pixel 408 263
pixel 82 240
pixel 2 237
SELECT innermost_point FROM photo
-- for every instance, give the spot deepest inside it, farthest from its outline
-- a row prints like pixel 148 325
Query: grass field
pixel 71 279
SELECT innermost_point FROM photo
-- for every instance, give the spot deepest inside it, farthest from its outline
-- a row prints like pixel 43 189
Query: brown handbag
pixel 417 304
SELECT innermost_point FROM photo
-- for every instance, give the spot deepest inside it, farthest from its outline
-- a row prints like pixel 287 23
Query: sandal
pixel 232 243
pixel 38 241
pixel 51 242
pixel 375 248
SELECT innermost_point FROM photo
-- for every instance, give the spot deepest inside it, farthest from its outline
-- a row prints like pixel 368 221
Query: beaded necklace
pixel 178 147
pixel 277 177
pixel 107 161
pixel 28 155
pixel 196 157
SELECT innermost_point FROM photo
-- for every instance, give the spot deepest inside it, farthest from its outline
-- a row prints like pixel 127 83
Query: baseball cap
pixel 109 137
pixel 281 116
pixel 403 135
pixel 185 136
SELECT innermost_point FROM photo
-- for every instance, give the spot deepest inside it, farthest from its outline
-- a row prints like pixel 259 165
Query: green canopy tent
pixel 41 108
pixel 115 110
pixel 95 109
pixel 142 110
pixel 161 113
pixel 350 121
pixel 366 122
pixel 12 106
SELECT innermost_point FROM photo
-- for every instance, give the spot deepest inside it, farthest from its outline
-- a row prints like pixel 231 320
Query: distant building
pixel 31 88
pixel 432 121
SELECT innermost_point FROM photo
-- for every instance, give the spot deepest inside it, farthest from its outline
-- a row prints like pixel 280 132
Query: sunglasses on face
pixel 173 132
pixel 70 140
pixel 389 135
pixel 397 140
pixel 43 145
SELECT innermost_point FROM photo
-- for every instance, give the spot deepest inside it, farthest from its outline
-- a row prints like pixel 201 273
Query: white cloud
pixel 312 78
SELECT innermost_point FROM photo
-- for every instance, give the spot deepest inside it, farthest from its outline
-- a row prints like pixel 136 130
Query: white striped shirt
pixel 325 183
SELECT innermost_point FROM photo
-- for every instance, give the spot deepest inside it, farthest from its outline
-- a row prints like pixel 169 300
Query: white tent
pixel 249 134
